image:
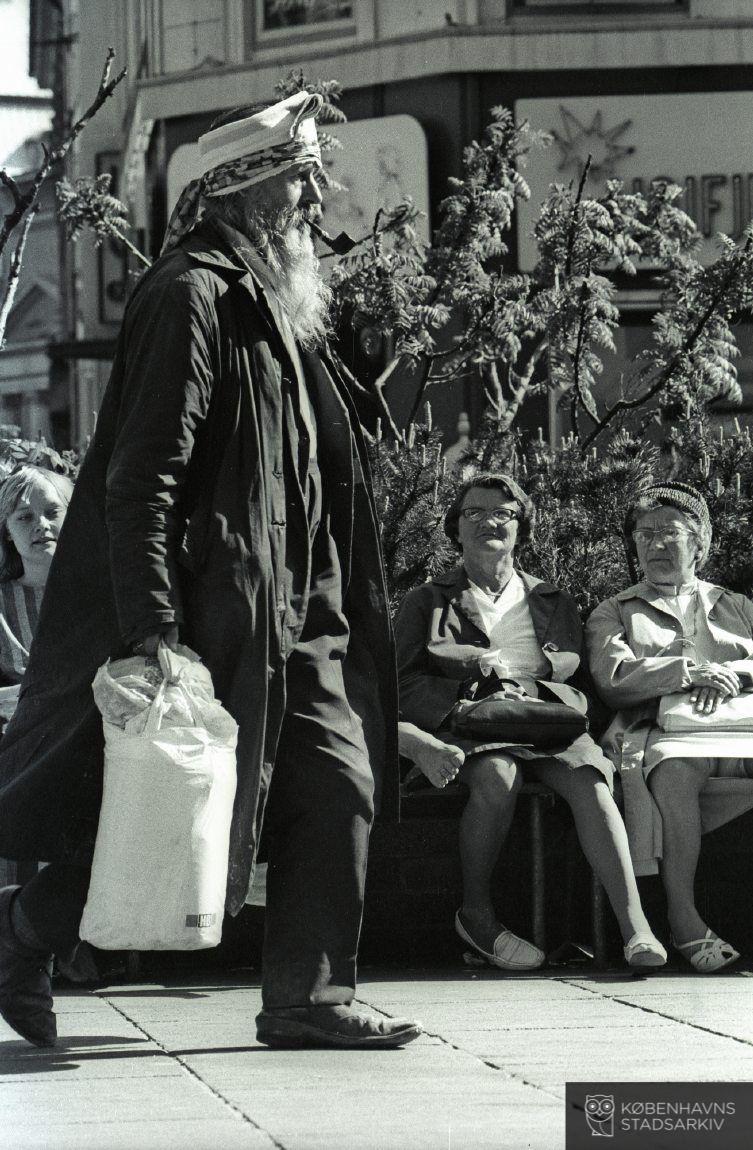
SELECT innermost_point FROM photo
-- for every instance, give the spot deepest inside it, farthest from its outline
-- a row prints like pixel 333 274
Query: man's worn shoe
pixel 25 989
pixel 296 1026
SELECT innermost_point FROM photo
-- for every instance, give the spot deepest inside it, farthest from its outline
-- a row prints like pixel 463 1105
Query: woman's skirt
pixel 730 752
pixel 581 752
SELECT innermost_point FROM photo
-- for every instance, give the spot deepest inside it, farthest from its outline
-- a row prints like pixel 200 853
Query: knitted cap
pixel 681 496
pixel 684 498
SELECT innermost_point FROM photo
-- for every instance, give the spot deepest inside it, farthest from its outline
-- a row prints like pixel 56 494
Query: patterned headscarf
pixel 245 152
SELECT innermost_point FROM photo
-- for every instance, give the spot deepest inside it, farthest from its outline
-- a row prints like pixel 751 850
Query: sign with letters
pixel 680 138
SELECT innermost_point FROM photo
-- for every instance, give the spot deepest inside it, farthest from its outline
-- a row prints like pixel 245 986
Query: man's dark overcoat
pixel 185 511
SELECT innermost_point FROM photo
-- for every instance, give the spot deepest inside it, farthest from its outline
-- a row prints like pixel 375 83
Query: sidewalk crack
pixel 509 1074
pixel 669 1017
pixel 236 1110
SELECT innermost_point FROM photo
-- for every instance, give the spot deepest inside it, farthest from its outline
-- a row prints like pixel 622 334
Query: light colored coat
pixel 635 655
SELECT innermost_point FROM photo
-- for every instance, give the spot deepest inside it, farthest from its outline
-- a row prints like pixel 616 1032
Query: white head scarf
pixel 245 152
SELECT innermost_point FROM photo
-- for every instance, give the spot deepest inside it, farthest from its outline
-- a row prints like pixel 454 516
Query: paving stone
pixel 198 1134
pixel 87 1063
pixel 104 1100
pixel 579 1013
pixel 490 1075
pixel 340 1117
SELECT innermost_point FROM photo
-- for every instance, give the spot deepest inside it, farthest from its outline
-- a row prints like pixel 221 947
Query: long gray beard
pixel 304 296
pixel 284 241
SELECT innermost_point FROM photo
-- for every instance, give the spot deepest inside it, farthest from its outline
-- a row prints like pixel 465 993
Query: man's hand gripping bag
pixel 161 854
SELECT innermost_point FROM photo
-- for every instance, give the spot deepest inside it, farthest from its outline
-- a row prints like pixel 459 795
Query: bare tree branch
pixel 15 272
pixel 524 384
pixel 576 215
pixel 118 235
pixel 26 200
pixel 12 186
pixel 577 396
pixel 422 383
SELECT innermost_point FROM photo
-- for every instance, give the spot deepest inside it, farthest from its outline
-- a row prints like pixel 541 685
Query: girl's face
pixel 35 522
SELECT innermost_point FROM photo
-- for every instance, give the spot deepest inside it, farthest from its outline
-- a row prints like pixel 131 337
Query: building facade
pixel 649 87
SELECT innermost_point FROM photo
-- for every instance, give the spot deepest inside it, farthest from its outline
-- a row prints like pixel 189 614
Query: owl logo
pixel 599 1111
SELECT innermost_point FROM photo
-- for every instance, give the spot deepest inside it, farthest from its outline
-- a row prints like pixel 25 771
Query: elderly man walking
pixel 225 500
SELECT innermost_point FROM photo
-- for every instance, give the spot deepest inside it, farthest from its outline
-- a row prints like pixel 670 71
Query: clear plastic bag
pixel 161 854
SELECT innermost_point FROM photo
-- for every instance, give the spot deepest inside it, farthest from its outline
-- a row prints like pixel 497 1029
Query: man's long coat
pixel 184 511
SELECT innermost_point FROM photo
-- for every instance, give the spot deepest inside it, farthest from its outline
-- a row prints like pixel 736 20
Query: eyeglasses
pixel 661 534
pixel 479 514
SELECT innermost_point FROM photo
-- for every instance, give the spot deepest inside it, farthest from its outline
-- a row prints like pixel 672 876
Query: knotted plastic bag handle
pixel 172 666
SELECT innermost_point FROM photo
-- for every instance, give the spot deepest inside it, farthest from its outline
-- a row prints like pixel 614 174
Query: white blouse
pixel 515 650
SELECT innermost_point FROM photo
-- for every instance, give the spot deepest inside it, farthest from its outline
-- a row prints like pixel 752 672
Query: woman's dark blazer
pixel 441 638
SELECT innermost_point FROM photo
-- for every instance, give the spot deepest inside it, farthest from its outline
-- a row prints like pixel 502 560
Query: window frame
pixel 345 25
pixel 597 7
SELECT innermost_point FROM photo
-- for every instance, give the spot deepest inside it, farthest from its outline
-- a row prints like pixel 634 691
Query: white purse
pixel 677 714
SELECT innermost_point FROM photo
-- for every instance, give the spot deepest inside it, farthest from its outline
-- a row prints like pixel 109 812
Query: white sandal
pixel 509 953
pixel 713 953
pixel 644 950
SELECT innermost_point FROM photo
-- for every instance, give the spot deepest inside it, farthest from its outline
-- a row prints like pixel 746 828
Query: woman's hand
pixel 511 690
pixel 716 677
pixel 705 700
pixel 438 761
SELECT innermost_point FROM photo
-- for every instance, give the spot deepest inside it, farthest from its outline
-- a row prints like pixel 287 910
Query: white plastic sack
pixel 161 854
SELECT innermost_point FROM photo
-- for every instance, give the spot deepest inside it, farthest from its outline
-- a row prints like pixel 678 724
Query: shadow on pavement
pixel 18 1057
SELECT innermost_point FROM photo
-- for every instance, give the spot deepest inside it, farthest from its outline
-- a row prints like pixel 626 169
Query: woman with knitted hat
pixel 668 634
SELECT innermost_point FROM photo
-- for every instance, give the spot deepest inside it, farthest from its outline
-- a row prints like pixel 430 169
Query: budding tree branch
pixel 24 201
pixel 15 272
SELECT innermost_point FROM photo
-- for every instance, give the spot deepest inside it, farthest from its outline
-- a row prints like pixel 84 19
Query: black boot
pixel 25 989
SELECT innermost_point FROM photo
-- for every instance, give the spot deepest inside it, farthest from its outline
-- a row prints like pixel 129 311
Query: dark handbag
pixel 531 722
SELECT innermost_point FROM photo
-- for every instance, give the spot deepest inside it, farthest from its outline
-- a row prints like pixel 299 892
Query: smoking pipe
pixel 340 245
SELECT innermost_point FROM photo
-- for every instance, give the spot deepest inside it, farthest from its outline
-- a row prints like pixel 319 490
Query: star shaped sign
pixel 578 141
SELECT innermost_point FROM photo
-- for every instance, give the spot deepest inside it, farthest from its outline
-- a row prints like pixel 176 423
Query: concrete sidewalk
pixel 157 1066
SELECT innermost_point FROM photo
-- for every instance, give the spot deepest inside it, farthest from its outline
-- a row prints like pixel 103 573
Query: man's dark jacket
pixel 184 511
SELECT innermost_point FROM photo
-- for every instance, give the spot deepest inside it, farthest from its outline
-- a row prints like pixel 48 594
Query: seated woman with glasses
pixel 482 628
pixel 672 633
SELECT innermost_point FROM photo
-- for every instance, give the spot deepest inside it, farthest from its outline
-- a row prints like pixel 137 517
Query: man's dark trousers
pixel 319 812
